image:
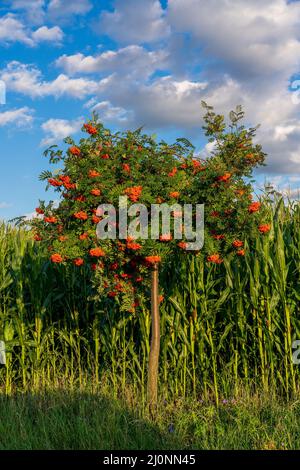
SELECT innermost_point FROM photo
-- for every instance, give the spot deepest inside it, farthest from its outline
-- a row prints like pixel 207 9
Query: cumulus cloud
pixel 21 117
pixel 107 112
pixel 33 9
pixel 28 80
pixel 253 39
pixel 39 11
pixel 12 30
pixel 161 103
pixel 44 34
pixel 251 49
pixel 248 53
pixel 225 52
pixel 164 102
pixel 131 60
pixel 58 129
pixel 134 21
pixel 60 9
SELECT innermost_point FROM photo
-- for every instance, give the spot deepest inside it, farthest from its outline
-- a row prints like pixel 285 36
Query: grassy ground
pixel 66 420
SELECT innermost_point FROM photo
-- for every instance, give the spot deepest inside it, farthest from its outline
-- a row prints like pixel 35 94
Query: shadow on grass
pixel 72 420
pixel 76 421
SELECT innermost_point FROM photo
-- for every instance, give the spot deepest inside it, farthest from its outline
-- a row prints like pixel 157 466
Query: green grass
pixel 62 419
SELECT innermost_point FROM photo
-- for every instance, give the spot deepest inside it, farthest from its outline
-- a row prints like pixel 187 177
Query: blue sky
pixel 144 62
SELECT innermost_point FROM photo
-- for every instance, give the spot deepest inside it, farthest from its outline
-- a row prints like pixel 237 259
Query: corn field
pixel 223 326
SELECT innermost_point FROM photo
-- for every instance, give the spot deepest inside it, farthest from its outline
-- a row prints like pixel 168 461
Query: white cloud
pixel 32 215
pixel 38 11
pixel 167 102
pixel 108 112
pixel 133 21
pixel 33 9
pixel 44 33
pixel 27 80
pixel 257 45
pixel 58 129
pixel 62 8
pixel 163 102
pixel 253 39
pixel 13 30
pixel 226 52
pixel 131 60
pixel 21 117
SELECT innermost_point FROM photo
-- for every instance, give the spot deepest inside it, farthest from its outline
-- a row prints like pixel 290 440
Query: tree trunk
pixel 155 341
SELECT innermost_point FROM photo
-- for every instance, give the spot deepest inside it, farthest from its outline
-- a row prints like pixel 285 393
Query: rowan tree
pixel 103 166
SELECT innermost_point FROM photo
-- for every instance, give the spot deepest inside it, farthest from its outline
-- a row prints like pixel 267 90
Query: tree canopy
pixel 103 166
